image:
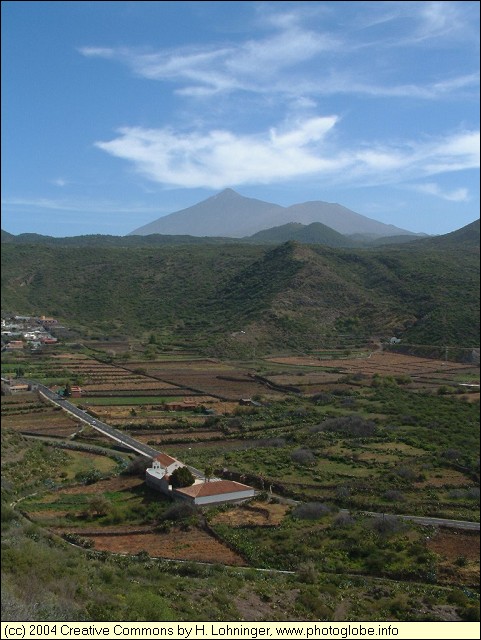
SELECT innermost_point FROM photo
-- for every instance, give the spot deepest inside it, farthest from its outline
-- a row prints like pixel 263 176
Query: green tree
pixel 208 472
pixel 182 477
pixel 99 505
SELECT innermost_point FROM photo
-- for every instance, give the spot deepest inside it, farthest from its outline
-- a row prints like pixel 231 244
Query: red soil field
pixel 381 362
pixel 176 545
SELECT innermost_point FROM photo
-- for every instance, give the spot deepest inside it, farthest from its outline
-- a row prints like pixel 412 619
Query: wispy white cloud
pixel 241 66
pixel 220 158
pixel 433 189
pixel 77 206
pixel 349 83
pixel 314 60
pixel 417 22
pixel 437 19
pixel 59 182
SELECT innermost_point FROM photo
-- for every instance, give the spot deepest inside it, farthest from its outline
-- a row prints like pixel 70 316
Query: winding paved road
pixel 432 522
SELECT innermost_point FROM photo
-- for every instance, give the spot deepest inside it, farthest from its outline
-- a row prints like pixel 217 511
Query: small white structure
pixel 202 492
pixel 158 476
pixel 165 465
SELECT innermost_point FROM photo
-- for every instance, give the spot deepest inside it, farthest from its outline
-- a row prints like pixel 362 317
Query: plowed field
pixel 176 545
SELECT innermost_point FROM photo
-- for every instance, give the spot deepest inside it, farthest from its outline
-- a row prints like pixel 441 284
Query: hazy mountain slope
pixel 225 214
pixel 230 214
pixel 7 237
pixel 340 219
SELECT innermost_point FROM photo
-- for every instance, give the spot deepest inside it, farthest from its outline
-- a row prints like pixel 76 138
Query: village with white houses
pixel 32 332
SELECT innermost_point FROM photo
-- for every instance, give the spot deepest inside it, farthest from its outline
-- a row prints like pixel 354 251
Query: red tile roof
pixel 165 460
pixel 213 488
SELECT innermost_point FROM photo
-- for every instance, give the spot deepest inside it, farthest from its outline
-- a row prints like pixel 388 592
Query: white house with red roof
pixel 215 491
pixel 202 492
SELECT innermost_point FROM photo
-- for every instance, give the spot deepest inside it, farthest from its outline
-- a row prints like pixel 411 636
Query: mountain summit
pixel 231 215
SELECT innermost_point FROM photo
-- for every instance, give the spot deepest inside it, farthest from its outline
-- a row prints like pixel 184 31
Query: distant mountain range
pixel 314 233
pixel 231 215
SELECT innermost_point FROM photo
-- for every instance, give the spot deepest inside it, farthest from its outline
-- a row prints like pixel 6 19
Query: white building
pixel 158 476
pixel 215 491
pixel 202 492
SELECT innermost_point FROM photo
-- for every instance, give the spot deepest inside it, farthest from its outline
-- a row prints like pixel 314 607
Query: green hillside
pixel 293 295
pixel 466 238
pixel 315 233
pixel 99 240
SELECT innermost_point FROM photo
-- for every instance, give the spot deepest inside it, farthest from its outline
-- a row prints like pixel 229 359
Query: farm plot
pixel 459 556
pixel 157 438
pixel 176 544
pixel 383 363
pixel 308 383
pixel 234 386
pixel 112 347
pixel 151 412
pixel 116 483
pixel 207 377
pixel 97 378
pixel 27 414
pixel 260 514
pixel 69 506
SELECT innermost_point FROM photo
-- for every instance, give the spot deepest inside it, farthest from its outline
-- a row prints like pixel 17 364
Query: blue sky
pixel 116 113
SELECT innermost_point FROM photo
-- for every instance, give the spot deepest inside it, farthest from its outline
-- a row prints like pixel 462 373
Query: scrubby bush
pixel 80 541
pixel 473 493
pixel 393 495
pixel 353 425
pixel 138 466
pixel 406 473
pixel 235 423
pixel 470 613
pixel 310 511
pixel 452 454
pixel 8 513
pixel 322 398
pixel 179 511
pixel 99 505
pixel 343 519
pixel 342 493
pixel 88 477
pixel 386 525
pixel 271 442
pixel 303 456
pixel 307 573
